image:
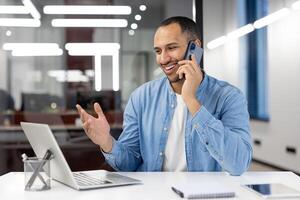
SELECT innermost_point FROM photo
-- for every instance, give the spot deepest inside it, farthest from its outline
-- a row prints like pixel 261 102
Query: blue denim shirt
pixel 217 137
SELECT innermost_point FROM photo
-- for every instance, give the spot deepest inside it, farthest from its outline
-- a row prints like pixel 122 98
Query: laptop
pixel 41 139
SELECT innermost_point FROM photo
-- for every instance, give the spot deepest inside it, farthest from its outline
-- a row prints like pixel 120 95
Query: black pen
pixel 178 192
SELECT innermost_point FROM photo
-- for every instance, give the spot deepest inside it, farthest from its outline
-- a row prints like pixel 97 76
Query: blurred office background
pixel 54 57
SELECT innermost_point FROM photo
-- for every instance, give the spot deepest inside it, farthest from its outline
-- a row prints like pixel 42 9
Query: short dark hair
pixel 187 26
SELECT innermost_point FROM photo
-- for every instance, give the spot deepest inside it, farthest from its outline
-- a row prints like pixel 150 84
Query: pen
pixel 178 192
pixel 46 157
pixel 24 158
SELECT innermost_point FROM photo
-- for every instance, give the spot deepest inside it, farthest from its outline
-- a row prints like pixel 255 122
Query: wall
pixel 283 81
pixel 222 62
pixel 283 129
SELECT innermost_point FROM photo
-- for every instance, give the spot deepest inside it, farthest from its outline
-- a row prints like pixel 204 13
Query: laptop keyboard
pixel 83 179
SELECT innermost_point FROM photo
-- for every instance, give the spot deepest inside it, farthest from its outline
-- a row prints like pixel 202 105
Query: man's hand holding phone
pixel 96 128
pixel 191 71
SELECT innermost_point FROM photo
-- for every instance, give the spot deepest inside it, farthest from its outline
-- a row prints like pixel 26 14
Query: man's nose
pixel 164 58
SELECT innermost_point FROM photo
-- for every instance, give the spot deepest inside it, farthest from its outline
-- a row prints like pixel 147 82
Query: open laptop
pixel 41 139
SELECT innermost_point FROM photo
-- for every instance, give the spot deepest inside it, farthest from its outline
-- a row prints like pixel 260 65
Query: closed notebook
pixel 203 190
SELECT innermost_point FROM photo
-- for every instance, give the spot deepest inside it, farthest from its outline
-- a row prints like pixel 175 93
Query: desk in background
pixel 156 186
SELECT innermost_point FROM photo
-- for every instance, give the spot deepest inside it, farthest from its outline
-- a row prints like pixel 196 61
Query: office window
pixel 60 56
pixel 256 61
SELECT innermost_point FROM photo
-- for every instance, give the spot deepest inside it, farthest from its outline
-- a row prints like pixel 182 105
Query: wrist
pixel 107 146
pixel 193 105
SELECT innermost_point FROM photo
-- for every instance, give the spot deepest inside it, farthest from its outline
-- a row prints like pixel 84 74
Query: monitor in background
pixel 109 100
pixel 6 101
pixel 37 102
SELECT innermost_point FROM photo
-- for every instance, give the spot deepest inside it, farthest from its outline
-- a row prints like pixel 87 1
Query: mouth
pixel 171 68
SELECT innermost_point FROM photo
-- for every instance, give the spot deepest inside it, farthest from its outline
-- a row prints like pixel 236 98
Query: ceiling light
pixel 143 7
pixel 271 18
pixel 20 22
pixel 33 11
pixel 131 32
pixel 89 22
pixel 33 49
pixel 296 5
pixel 240 31
pixel 115 72
pixel 98 50
pixel 217 42
pixel 134 26
pixel 8 33
pixel 14 10
pixel 89 49
pixel 38 46
pixel 138 17
pixel 37 52
pixel 98 73
pixel 87 10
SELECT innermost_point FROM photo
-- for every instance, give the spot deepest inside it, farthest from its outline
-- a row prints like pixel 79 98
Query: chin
pixel 174 79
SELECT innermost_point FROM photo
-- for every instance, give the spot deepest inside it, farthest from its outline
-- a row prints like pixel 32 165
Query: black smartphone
pixel 193 49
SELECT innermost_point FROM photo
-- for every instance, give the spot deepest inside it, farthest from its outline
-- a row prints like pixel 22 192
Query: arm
pixel 125 154
pixel 228 140
pixel 96 128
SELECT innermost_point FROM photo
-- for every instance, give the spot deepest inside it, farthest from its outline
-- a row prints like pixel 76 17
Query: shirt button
pixel 206 142
pixel 165 129
pixel 172 105
pixel 161 153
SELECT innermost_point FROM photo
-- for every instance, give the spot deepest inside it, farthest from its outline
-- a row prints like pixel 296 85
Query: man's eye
pixel 172 48
pixel 157 51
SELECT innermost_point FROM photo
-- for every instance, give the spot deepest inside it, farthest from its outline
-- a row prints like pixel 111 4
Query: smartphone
pixel 193 49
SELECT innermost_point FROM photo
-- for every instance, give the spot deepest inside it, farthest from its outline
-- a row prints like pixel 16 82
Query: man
pixel 185 121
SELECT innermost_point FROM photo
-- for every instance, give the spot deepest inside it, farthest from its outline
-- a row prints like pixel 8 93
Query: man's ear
pixel 198 42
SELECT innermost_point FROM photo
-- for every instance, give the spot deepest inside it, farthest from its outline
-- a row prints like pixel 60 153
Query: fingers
pixel 98 110
pixel 185 70
pixel 192 63
pixel 87 126
pixel 84 116
pixel 195 64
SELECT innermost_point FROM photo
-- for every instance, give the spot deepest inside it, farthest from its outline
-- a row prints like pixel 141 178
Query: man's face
pixel 170 45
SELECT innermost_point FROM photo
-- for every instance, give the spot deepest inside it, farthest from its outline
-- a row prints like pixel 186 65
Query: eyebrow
pixel 169 44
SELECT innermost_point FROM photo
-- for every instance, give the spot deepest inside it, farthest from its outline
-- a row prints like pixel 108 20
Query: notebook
pixel 41 139
pixel 203 190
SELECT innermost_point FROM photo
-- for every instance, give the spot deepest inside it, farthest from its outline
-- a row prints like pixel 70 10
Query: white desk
pixel 156 186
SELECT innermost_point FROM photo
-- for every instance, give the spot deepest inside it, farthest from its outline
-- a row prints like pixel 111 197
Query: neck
pixel 177 86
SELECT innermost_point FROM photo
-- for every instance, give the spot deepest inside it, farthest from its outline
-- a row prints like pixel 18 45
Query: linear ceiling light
pixel 33 11
pixel 240 31
pixel 14 10
pixel 296 5
pixel 89 49
pixel 33 49
pixel 20 22
pixel 87 10
pixel 217 42
pixel 89 23
pixel 271 18
pixel 37 52
pixel 98 50
pixel 39 46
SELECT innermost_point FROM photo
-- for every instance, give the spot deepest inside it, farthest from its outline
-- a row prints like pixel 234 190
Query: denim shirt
pixel 217 137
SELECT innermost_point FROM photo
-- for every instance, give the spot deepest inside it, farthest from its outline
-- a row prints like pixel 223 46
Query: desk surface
pixel 156 185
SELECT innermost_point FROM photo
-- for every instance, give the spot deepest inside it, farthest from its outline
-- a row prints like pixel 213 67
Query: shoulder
pixel 223 88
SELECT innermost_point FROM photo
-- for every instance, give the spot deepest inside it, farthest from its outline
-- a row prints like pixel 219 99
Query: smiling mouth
pixel 169 69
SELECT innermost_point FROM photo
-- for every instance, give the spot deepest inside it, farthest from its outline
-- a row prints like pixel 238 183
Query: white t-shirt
pixel 175 159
